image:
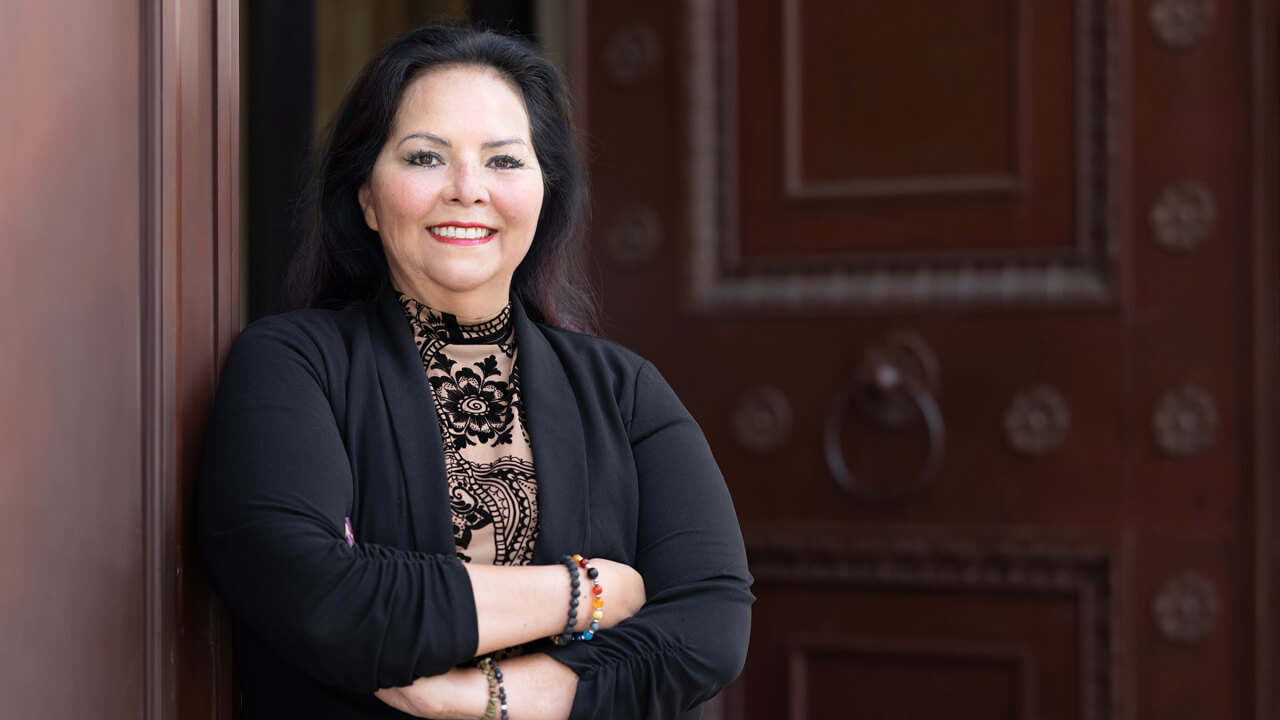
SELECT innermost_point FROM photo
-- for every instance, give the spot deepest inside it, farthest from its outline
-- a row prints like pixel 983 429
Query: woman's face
pixel 456 191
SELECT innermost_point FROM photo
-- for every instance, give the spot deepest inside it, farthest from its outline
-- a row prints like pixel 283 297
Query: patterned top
pixel 493 491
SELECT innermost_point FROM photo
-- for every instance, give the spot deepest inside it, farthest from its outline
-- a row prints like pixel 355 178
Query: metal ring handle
pixel 880 376
pixel 903 345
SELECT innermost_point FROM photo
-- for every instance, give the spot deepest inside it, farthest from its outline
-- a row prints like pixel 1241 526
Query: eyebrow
pixel 441 141
pixel 500 143
pixel 425 136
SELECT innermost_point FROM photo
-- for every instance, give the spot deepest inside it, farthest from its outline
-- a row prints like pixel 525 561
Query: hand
pixel 623 593
pixel 459 694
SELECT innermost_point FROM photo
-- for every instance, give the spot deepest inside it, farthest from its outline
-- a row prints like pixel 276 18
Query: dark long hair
pixel 340 260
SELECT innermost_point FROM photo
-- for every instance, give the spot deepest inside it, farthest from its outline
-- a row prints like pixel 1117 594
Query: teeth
pixel 453 231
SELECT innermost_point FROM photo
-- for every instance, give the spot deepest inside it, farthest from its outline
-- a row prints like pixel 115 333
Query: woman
pixel 396 474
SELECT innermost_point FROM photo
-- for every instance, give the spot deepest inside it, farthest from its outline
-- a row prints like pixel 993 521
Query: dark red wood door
pixel 975 304
pixel 118 230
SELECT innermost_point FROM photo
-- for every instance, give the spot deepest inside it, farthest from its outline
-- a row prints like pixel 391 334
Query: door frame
pixel 190 315
pixel 1265 299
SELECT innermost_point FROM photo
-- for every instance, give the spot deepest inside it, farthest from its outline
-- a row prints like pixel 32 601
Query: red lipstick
pixel 467 241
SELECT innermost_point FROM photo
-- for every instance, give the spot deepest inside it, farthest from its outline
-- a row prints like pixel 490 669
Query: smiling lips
pixel 462 233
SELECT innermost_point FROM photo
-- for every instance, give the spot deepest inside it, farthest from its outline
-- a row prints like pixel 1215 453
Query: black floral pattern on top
pixel 476 405
pixel 496 497
pixel 519 405
pixel 475 385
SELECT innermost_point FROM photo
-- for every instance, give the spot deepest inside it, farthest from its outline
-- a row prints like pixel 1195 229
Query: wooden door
pixel 975 302
pixel 117 300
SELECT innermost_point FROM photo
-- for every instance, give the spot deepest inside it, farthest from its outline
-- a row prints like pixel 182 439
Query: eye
pixel 505 162
pixel 424 158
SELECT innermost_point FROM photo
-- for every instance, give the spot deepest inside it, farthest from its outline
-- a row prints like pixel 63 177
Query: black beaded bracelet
pixel 575 591
pixel 502 690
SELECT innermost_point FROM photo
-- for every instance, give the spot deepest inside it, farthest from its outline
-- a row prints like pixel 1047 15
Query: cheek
pixel 524 204
pixel 404 201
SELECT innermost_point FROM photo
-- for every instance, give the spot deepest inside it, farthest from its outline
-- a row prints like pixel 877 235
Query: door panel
pixel 1028 245
pixel 978 171
pixel 967 145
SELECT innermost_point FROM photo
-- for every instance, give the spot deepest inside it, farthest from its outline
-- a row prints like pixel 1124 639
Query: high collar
pixel 449 329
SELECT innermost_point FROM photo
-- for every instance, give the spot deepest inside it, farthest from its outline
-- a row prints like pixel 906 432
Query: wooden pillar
pixel 190 316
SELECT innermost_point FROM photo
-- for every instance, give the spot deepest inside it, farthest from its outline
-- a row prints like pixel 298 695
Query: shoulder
pixel 310 326
pixel 316 338
pixel 593 353
pixel 611 369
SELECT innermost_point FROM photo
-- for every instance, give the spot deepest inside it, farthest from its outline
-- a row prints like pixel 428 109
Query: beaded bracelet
pixel 492 710
pixel 597 599
pixel 575 585
pixel 497 692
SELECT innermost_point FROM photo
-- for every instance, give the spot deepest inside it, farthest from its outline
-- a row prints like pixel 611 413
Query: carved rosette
pixel 634 238
pixel 1186 608
pixel 1036 422
pixel 1180 24
pixel 631 54
pixel 1183 217
pixel 1185 421
pixel 762 420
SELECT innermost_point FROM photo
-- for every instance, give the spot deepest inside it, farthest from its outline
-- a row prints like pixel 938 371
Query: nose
pixel 466 185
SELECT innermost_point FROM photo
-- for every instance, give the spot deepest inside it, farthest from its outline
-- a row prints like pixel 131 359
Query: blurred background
pixel 975 301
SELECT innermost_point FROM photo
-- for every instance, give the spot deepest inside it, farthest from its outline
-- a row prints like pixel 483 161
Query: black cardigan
pixel 325 415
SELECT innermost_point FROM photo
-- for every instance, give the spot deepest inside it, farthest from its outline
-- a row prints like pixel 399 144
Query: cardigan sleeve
pixel 274 496
pixel 690 639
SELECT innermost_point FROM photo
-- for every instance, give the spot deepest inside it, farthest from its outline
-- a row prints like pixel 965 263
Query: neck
pixel 469 307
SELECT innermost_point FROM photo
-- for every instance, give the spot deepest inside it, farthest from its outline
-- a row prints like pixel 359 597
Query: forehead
pixel 467 99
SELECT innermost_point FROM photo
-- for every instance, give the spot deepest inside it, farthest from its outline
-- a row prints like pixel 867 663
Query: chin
pixel 464 284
